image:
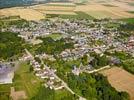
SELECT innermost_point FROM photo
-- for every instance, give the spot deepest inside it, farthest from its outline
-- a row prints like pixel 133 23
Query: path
pixel 97 70
pixel 65 84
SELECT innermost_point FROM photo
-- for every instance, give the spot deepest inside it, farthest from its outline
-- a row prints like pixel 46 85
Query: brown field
pixel 93 8
pixel 124 5
pixel 18 95
pixel 56 8
pixel 121 80
pixel 46 7
pixel 38 12
pixel 24 13
pixel 101 11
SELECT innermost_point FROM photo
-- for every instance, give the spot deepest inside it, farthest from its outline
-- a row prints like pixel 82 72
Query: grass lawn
pixel 5 87
pixel 5 91
pixel 56 36
pixel 27 81
pixel 112 25
pixel 60 94
pixel 128 20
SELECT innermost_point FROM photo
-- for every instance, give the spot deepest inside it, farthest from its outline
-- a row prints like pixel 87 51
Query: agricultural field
pixel 102 11
pixel 5 91
pixel 24 13
pixel 26 81
pixel 79 15
pixel 128 20
pixel 120 79
pixel 101 14
pixel 114 10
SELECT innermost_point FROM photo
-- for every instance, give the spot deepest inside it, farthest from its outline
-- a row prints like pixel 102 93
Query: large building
pixel 6 73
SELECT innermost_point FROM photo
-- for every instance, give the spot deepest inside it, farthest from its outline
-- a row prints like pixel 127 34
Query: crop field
pixel 78 15
pixel 26 81
pixel 111 9
pixel 128 20
pixel 101 14
pixel 101 11
pixel 24 13
pixel 56 8
pixel 121 80
pixel 59 8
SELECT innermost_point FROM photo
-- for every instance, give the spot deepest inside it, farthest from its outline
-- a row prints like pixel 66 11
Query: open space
pixel 111 9
pixel 121 80
pixel 26 81
pixel 24 13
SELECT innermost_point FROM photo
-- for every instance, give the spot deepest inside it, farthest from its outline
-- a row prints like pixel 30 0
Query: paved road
pixel 65 84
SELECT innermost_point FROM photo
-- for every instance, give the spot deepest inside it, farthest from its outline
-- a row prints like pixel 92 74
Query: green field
pixel 80 15
pixel 56 36
pixel 27 81
pixel 48 94
pixel 112 25
pixel 128 20
pixel 23 81
pixel 5 92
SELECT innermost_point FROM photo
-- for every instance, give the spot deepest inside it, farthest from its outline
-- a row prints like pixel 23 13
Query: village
pixel 87 36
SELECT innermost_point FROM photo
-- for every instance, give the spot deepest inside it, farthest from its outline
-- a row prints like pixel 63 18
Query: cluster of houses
pixel 87 36
pixel 45 73
pixel 81 68
pixel 73 54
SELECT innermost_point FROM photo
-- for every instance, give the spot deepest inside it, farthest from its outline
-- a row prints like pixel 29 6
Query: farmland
pixel 114 10
pixel 24 13
pixel 101 11
pixel 26 81
pixel 79 15
pixel 122 80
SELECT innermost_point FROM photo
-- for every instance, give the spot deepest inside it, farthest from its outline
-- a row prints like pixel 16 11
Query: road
pixel 65 84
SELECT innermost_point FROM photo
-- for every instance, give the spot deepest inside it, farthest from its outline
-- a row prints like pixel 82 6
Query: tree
pixel 31 68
